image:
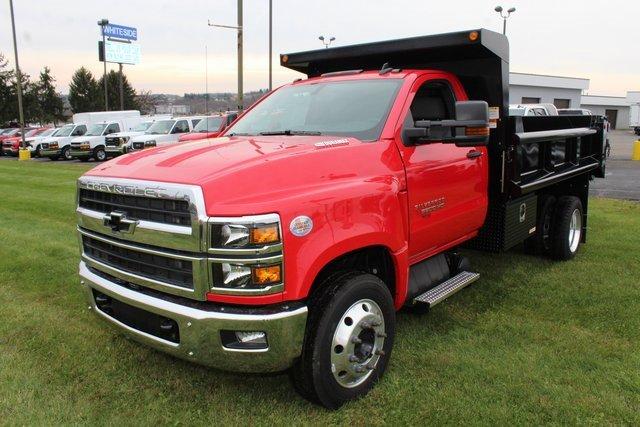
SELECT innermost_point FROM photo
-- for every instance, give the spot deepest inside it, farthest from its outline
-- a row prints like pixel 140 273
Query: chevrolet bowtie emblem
pixel 119 222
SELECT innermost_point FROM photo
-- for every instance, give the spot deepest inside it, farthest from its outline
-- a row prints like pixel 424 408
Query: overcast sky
pixel 592 39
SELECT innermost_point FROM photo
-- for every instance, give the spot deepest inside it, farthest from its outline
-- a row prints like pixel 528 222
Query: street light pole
pixel 238 28
pixel 121 89
pixel 326 42
pixel 504 16
pixel 18 76
pixel 103 23
pixel 270 45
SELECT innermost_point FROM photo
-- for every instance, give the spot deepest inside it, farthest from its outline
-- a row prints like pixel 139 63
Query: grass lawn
pixel 532 342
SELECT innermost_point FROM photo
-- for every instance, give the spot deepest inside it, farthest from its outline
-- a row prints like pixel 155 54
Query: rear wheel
pixel 567 228
pixel 348 340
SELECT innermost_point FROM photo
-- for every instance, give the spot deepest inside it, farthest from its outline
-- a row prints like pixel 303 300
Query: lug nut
pixel 353 358
pixel 365 325
pixel 356 340
pixel 359 369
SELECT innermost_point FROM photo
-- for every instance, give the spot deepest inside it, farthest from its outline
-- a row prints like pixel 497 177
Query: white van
pixel 58 145
pixel 92 143
pixel 164 132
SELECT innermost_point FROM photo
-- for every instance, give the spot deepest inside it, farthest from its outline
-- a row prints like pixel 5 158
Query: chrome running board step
pixel 447 288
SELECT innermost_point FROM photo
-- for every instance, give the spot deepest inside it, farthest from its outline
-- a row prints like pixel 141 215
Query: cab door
pixel 446 184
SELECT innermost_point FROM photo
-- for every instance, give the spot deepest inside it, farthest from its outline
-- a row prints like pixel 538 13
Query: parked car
pixel 58 145
pixel 33 143
pixel 92 145
pixel 163 132
pixel 574 112
pixel 11 146
pixel 9 133
pixel 333 202
pixel 533 110
pixel 209 127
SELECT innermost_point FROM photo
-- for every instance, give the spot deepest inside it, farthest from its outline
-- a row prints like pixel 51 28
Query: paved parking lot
pixel 623 174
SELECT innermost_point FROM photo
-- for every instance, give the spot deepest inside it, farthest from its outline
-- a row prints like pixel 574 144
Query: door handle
pixel 474 154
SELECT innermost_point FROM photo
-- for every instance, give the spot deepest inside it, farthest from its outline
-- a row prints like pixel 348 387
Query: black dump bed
pixel 527 154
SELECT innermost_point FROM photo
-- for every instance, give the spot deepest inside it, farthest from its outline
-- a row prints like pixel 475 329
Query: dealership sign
pixel 122 53
pixel 120 32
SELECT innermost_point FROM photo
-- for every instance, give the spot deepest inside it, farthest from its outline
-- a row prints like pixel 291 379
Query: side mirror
pixel 412 136
pixel 469 129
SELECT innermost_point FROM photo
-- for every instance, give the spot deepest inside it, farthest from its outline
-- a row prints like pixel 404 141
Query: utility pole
pixel 270 45
pixel 240 89
pixel 103 23
pixel 18 76
pixel 238 28
pixel 206 80
pixel 121 89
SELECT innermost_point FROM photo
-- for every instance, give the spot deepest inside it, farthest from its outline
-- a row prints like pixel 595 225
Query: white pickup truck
pixel 164 132
pixel 93 144
pixel 58 146
pixel 120 142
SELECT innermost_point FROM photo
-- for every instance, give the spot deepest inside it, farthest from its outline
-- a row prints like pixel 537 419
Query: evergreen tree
pixel 6 78
pixel 84 92
pixel 113 92
pixel 50 101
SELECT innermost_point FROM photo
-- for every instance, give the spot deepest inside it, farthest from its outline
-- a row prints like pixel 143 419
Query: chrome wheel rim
pixel 575 230
pixel 357 343
pixel 67 154
pixel 100 155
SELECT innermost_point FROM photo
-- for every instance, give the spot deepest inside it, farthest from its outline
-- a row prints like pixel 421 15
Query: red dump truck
pixel 290 242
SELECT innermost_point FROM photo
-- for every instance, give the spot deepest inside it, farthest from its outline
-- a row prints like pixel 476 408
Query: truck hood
pixel 149 137
pixel 251 171
pixel 123 134
pixel 89 139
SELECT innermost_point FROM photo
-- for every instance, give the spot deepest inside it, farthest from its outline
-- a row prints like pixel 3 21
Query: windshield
pixel 161 127
pixel 65 130
pixel 31 132
pixel 49 132
pixel 96 130
pixel 142 127
pixel 348 108
pixel 8 131
pixel 210 124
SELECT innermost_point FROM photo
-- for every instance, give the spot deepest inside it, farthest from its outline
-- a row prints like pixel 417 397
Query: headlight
pixel 238 276
pixel 85 146
pixel 248 254
pixel 245 235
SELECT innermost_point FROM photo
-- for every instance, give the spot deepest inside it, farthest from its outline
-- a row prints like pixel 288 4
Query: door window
pixel 181 126
pixel 434 101
pixel 112 128
pixel 79 130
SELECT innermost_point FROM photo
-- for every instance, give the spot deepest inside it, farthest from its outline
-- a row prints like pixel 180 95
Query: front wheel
pixel 567 228
pixel 348 340
pixel 66 153
pixel 100 155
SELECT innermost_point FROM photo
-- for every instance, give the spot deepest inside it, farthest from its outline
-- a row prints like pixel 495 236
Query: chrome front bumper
pixel 50 152
pixel 200 339
pixel 80 153
pixel 117 150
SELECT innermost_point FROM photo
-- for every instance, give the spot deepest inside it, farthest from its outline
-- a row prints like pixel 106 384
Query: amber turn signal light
pixel 265 234
pixel 473 36
pixel 476 131
pixel 267 275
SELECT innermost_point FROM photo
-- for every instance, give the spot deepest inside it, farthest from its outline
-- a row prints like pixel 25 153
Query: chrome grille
pixel 112 142
pixel 177 272
pixel 166 211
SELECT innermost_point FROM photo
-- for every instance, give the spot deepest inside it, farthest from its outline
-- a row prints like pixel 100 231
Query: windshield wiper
pixel 239 134
pixel 290 132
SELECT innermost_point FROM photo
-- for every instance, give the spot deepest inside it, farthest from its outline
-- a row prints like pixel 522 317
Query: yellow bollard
pixel 24 154
pixel 636 150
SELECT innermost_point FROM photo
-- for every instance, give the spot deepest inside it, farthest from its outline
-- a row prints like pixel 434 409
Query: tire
pixel 36 153
pixel 360 307
pixel 66 153
pixel 541 242
pixel 567 228
pixel 99 154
